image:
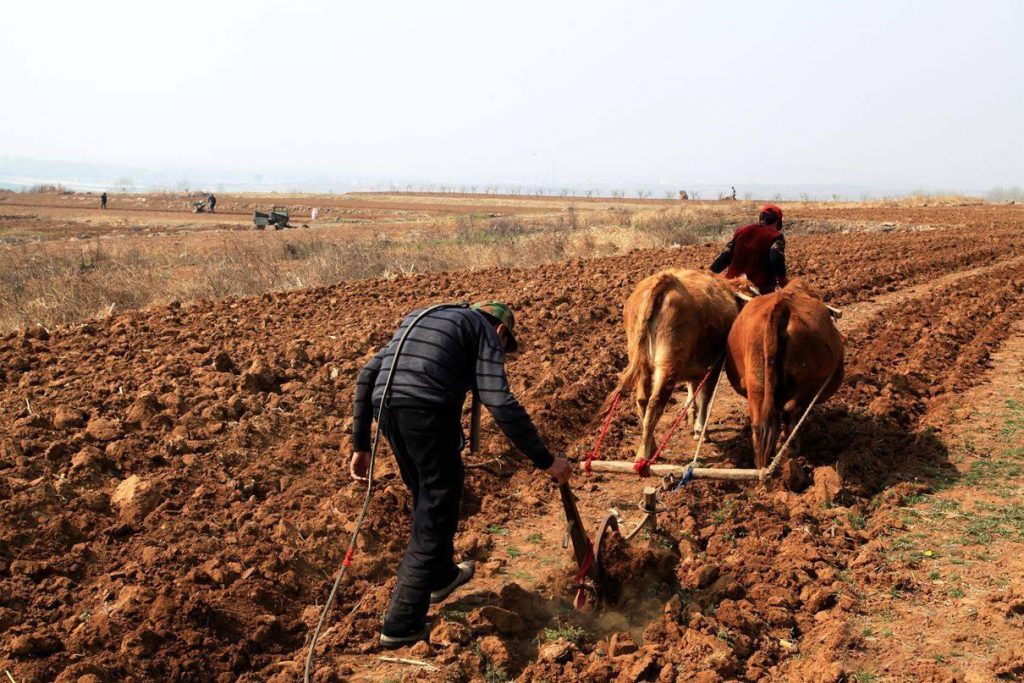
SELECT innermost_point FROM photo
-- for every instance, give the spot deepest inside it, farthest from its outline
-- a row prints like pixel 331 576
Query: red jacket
pixel 751 245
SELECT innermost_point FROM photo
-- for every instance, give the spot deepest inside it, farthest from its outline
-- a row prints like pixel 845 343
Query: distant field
pixel 64 260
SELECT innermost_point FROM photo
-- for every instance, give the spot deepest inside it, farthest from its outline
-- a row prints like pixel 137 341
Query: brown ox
pixel 782 349
pixel 677 322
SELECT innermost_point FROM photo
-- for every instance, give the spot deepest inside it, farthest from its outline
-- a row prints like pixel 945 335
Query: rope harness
pixel 595 453
pixel 643 466
pixel 773 465
pixel 669 483
pixel 707 417
pixel 581 575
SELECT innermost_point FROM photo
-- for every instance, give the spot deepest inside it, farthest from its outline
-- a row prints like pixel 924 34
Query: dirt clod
pixel 135 497
pixel 38 643
pixel 261 377
pixel 496 652
pixel 450 633
pixel 504 621
pixel 621 644
pixel 103 429
pixel 67 417
pixel 560 651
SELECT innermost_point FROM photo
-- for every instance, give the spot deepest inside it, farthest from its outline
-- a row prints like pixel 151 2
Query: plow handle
pixel 581 547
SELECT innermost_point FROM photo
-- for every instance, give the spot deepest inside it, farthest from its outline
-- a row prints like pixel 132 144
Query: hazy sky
pixel 927 94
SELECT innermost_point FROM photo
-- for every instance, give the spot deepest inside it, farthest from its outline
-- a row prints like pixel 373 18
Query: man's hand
pixel 560 471
pixel 360 465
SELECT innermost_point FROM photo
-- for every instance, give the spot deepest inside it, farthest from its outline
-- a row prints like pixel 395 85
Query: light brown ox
pixel 677 323
pixel 782 348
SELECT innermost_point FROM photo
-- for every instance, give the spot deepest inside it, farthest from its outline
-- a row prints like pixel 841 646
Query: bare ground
pixel 211 562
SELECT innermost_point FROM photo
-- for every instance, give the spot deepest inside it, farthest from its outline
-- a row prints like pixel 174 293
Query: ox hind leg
pixel 759 431
pixel 701 404
pixel 662 383
pixel 643 400
pixel 790 415
pixel 643 396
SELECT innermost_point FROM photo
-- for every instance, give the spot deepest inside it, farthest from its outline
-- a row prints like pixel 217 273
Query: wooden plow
pixel 588 554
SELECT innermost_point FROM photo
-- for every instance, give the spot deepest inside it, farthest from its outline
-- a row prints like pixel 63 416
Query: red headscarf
pixel 771 208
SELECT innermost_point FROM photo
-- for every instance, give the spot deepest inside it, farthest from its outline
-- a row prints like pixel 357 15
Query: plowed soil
pixel 174 496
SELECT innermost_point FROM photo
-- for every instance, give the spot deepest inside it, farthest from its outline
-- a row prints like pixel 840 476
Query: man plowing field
pixel 443 354
pixel 758 251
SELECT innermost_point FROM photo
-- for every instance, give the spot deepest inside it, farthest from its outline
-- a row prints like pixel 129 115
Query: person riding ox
pixel 758 251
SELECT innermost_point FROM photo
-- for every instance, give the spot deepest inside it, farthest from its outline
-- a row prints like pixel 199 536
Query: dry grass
pixel 64 279
pixel 59 282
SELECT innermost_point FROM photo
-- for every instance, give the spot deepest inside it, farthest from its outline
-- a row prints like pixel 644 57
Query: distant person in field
pixel 212 201
pixel 758 251
pixel 450 352
pixel 103 201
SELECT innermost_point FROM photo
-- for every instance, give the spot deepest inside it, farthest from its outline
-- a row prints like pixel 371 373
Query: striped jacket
pixel 449 352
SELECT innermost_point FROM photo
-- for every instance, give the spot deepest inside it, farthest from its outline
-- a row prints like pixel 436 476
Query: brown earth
pixel 173 501
pixel 941 591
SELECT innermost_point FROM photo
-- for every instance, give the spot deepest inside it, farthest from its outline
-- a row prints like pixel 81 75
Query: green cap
pixel 503 314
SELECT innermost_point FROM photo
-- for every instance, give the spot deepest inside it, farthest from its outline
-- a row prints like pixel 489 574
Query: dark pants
pixel 427 445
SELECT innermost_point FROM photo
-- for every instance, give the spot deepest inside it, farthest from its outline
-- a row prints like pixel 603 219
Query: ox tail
pixel 774 353
pixel 639 328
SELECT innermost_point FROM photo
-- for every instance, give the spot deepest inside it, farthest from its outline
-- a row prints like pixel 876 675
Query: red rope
pixel 595 453
pixel 643 466
pixel 581 575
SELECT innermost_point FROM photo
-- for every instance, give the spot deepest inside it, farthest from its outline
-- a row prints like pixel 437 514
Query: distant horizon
pixel 16 173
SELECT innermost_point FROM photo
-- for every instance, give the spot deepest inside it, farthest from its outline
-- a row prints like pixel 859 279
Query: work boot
pixel 393 642
pixel 466 570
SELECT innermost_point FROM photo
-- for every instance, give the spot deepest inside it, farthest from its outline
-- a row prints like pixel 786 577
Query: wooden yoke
pixel 661 469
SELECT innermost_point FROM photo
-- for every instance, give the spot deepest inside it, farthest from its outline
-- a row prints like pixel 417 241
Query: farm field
pixel 174 490
pixel 63 260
